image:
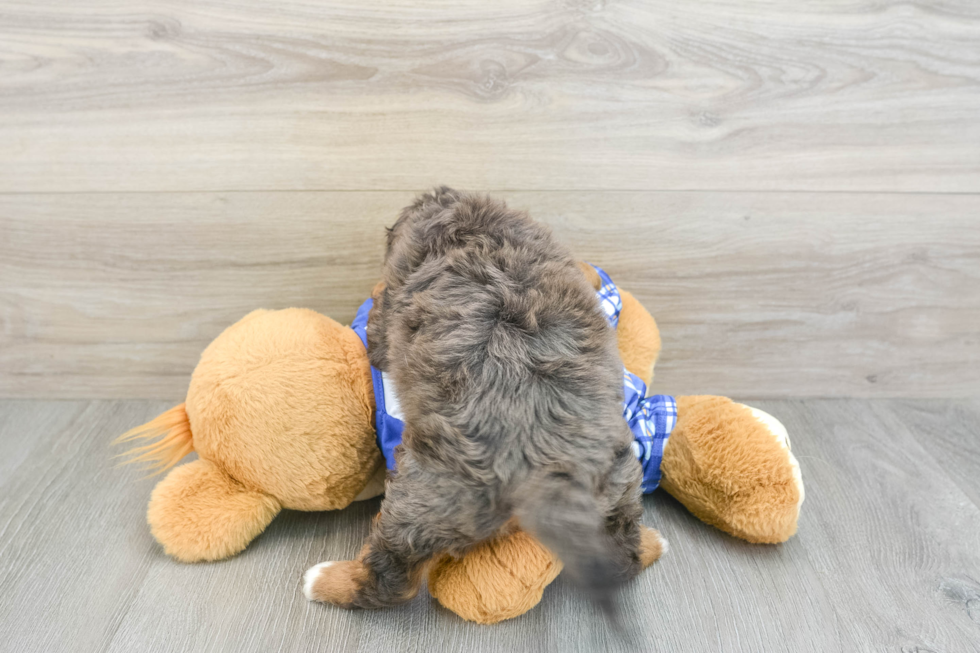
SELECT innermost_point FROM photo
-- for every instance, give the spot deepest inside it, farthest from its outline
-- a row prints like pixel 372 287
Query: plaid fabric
pixel 609 299
pixel 651 419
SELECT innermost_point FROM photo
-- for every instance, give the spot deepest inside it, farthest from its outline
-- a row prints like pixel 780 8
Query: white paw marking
pixel 664 546
pixel 782 437
pixel 310 577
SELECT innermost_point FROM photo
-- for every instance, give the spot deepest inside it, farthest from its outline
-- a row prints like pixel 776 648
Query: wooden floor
pixel 887 557
pixel 792 189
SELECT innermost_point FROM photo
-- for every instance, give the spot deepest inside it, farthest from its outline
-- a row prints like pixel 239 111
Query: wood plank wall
pixel 793 189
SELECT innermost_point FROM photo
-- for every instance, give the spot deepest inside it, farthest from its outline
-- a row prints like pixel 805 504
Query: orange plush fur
pixel 729 472
pixel 280 410
pixel 280 407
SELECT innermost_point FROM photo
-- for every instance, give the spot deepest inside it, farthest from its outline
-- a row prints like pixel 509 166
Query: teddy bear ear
pixel 198 512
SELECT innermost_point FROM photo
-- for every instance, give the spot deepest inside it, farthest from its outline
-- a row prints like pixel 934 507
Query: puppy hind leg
pixel 640 546
pixel 417 521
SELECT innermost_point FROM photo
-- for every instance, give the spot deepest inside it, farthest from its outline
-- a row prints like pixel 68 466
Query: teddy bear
pixel 282 412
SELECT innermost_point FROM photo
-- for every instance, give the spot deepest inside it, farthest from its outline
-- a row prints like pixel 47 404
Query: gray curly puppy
pixel 512 387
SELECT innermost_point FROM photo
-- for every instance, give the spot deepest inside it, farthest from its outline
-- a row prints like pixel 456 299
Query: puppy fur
pixel 511 385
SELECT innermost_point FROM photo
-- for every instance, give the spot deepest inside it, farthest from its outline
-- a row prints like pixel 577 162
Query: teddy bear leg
pixel 198 512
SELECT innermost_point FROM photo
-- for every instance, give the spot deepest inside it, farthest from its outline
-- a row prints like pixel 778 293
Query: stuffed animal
pixel 281 411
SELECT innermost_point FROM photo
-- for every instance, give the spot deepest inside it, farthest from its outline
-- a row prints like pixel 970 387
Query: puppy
pixel 511 386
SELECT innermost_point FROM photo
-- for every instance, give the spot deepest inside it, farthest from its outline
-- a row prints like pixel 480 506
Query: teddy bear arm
pixel 638 338
pixel 729 467
pixel 637 332
pixel 198 512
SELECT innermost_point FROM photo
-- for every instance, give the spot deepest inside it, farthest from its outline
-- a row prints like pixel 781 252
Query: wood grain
pixel 757 294
pixel 884 527
pixel 950 432
pixel 793 189
pixel 886 557
pixel 565 95
pixel 72 558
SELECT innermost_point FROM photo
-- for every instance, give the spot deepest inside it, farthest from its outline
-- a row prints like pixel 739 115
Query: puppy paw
pixel 652 546
pixel 334 582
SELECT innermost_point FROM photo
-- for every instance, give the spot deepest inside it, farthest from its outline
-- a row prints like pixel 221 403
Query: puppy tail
pixel 561 511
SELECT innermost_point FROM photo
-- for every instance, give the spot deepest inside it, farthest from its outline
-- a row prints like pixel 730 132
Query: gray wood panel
pixel 577 94
pixel 757 294
pixel 886 557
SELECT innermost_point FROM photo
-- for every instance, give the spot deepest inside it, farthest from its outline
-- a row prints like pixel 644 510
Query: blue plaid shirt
pixel 651 419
